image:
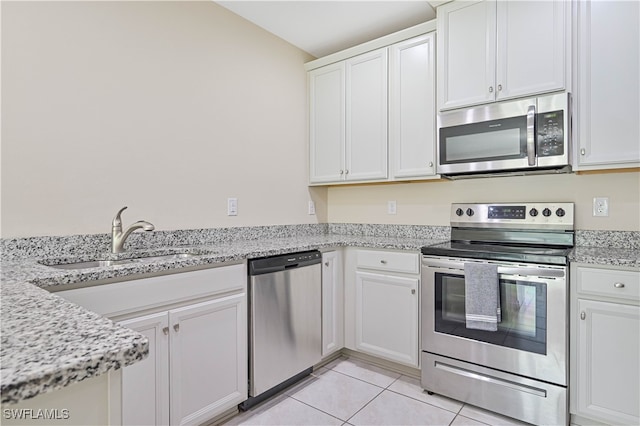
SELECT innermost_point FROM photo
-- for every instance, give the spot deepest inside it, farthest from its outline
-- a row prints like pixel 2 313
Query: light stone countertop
pixel 48 342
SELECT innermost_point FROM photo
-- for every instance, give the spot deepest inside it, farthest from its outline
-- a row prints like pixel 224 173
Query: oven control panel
pixel 513 215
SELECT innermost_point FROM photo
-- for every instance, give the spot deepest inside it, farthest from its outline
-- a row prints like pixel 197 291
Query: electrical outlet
pixel 601 206
pixel 232 207
pixel 312 207
pixel 391 207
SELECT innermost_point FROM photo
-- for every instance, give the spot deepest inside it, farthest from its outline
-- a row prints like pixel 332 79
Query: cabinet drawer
pixel 609 282
pixel 389 261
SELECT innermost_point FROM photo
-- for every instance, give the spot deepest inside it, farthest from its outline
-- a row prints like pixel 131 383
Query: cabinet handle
pixel 176 327
pixel 490 89
pixel 384 262
pixel 583 315
pixel 618 285
pixel 499 87
pixel 341 172
pixel 326 263
pixel 430 163
pixel 413 291
pixel 165 330
pixel 346 172
pixel 583 151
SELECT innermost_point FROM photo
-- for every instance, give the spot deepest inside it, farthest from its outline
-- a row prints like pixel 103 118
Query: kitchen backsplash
pixel 619 239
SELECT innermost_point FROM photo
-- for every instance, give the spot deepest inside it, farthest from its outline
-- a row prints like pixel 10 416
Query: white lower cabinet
pixel 386 307
pixel 332 303
pixel 196 367
pixel 207 358
pixel 145 385
pixel 196 323
pixel 605 346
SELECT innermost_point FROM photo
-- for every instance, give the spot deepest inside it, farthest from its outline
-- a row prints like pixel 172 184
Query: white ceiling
pixel 324 27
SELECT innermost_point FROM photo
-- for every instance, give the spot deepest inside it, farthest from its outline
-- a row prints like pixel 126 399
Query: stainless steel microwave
pixel 525 135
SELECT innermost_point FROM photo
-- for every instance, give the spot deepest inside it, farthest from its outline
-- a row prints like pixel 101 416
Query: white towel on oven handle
pixel 482 296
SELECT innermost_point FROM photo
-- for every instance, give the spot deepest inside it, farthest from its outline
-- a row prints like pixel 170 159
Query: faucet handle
pixel 116 220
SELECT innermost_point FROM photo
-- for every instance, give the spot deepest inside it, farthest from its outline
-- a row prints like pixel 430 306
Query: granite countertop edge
pixel 35 322
pixel 94 345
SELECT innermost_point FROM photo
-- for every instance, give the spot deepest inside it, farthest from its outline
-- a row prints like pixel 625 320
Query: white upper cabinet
pixel 607 97
pixel 412 107
pixel 466 53
pixel 366 107
pixel 531 54
pixel 372 110
pixel 348 120
pixel 326 123
pixel 490 51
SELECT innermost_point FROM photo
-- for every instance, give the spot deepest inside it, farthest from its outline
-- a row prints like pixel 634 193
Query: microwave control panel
pixel 550 134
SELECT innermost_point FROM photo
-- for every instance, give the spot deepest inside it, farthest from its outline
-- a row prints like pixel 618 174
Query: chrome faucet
pixel 118 237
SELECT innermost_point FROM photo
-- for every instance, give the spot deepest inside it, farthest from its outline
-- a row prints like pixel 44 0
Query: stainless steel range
pixel 495 309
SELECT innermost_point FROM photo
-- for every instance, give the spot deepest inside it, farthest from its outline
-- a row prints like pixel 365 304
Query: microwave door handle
pixel 531 135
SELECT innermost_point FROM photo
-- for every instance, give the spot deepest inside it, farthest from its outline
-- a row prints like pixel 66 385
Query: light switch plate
pixel 312 207
pixel 391 207
pixel 232 207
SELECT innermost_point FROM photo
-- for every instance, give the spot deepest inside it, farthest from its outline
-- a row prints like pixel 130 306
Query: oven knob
pixel 470 212
pixel 560 212
pixel 546 212
pixel 459 212
pixel 533 212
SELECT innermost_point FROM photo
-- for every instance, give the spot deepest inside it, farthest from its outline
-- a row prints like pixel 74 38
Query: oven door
pixel 531 339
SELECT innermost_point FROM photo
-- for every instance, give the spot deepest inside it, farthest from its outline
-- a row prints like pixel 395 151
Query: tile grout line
pixel 425 402
pixel 397 393
pixel 362 380
pixel 316 408
pixel 365 405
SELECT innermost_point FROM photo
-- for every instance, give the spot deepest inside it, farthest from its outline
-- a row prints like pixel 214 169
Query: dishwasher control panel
pixel 282 262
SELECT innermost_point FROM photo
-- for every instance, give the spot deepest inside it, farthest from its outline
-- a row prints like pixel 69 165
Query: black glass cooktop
pixel 505 252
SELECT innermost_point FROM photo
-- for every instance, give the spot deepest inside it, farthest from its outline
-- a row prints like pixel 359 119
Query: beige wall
pixel 172 107
pixel 166 107
pixel 428 203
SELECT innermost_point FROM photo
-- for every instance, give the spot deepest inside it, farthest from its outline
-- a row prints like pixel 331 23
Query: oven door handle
pixel 532 272
pixel 504 270
pixel 531 135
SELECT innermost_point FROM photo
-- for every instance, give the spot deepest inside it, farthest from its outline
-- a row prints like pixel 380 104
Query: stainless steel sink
pixel 102 263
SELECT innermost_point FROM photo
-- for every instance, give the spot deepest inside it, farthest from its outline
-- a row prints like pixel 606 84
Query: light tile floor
pixel 352 392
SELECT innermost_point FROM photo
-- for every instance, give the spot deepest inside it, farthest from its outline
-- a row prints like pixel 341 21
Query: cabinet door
pixel 608 85
pixel 332 303
pixel 366 106
pixel 412 113
pixel 608 369
pixel 387 316
pixel 145 384
pixel 531 47
pixel 466 53
pixel 326 123
pixel 208 358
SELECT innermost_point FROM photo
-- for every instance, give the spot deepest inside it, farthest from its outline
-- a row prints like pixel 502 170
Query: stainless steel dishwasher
pixel 285 328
